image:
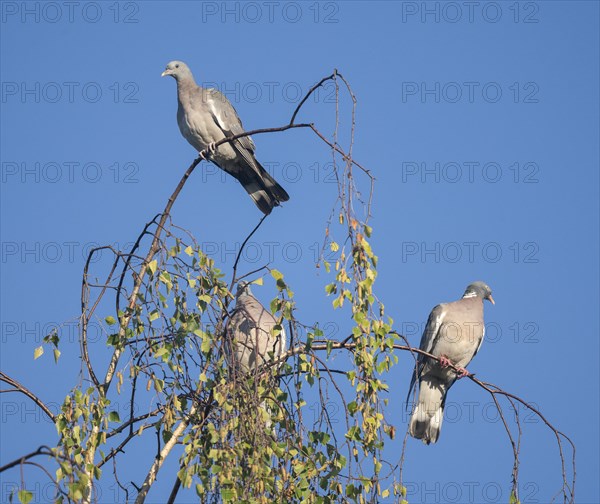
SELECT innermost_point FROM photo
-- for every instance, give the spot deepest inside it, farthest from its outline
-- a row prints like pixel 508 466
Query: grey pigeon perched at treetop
pixel 206 116
pixel 454 333
pixel 251 329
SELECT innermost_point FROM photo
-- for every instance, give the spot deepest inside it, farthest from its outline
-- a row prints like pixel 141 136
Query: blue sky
pixel 479 122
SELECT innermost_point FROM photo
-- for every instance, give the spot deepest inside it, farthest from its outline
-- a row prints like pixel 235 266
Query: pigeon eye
pixel 176 66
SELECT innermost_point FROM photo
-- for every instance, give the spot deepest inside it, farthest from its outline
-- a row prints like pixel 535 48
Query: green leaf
pixel 110 320
pixel 113 416
pixel 56 355
pixel 276 274
pixel 228 494
pixel 275 305
pixel 152 265
pixel 161 351
pixel 206 344
pixel 25 496
pixel 353 433
pixel 189 250
pixel 37 353
pixel 113 340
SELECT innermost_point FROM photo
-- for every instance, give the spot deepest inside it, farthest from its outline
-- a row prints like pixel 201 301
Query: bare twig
pixel 24 390
pixel 239 254
pixel 42 450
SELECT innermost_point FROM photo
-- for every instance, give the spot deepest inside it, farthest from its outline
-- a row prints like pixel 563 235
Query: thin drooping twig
pixel 119 449
pixel 239 254
pixel 86 314
pixel 310 92
pixel 128 260
pixel 42 450
pixel 122 487
pixel 516 451
pixel 24 390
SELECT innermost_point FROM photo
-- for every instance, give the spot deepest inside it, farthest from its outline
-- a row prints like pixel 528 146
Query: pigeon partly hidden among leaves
pixel 254 338
pixel 254 333
pixel 206 116
pixel 454 333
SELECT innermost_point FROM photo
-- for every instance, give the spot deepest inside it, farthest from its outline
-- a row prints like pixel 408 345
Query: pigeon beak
pixel 491 299
pixel 166 72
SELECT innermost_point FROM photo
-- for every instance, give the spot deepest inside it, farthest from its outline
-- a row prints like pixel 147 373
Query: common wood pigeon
pixel 454 333
pixel 250 330
pixel 206 116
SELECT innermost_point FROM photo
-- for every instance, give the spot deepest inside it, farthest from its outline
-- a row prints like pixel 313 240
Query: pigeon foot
pixel 444 361
pixel 462 372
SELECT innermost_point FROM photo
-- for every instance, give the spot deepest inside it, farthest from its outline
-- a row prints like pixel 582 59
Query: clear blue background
pixel 542 216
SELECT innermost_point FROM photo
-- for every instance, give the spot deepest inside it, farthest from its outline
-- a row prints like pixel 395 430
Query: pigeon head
pixel 479 289
pixel 177 70
pixel 243 288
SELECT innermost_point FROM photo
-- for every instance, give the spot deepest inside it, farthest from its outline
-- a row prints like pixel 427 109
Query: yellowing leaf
pixel 37 353
pixel 24 496
pixel 152 265
pixel 161 351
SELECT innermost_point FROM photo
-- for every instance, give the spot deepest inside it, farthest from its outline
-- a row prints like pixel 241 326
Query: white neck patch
pixel 470 295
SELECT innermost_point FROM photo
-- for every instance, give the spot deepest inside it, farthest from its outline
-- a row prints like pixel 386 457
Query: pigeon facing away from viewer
pixel 454 332
pixel 250 329
pixel 206 116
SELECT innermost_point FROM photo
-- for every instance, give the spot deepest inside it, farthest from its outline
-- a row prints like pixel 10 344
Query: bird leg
pixel 209 150
pixel 462 372
pixel 444 361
